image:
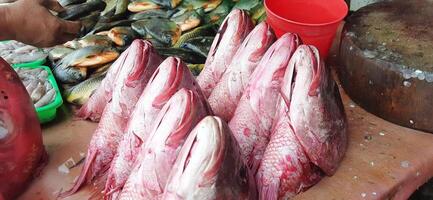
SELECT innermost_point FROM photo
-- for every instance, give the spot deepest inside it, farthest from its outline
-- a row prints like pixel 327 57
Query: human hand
pixel 31 22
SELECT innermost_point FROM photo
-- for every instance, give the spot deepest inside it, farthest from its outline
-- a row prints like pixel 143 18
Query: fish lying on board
pixel 140 64
pixel 73 67
pixel 171 76
pixel 206 166
pixel 21 148
pixel 231 34
pixel 172 126
pixel 309 130
pixel 253 118
pixel 227 93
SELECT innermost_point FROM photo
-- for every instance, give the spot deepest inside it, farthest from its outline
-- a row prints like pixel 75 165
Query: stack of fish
pixel 37 85
pixel 145 133
pixel 286 123
pixel 282 105
pixel 181 28
pixel 16 52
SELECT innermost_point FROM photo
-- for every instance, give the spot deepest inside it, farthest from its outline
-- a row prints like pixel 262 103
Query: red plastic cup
pixel 316 21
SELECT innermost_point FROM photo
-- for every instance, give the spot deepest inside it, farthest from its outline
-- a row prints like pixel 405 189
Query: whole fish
pixel 206 166
pixel 94 107
pixel 253 118
pixel 316 110
pixel 142 61
pixel 73 67
pixel 80 94
pixel 169 131
pixel 171 76
pixel 230 36
pixel 21 148
pixel 227 93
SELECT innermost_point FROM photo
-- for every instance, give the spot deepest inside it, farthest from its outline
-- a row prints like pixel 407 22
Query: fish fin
pixel 85 175
pixel 269 191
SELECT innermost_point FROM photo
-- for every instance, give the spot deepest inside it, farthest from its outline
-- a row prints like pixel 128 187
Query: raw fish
pixel 206 166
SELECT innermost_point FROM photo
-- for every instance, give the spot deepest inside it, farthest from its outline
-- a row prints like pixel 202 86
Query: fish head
pixel 268 76
pixel 259 40
pixel 166 80
pixel 316 108
pixel 176 119
pixel 237 20
pixel 198 163
pixel 144 56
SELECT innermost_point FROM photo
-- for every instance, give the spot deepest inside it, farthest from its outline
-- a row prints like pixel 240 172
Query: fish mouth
pixel 208 135
pixel 175 78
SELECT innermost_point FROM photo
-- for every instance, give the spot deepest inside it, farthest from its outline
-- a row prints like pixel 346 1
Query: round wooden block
pixel 386 61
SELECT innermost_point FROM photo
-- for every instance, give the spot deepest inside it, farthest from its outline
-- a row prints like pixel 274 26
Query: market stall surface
pixel 382 158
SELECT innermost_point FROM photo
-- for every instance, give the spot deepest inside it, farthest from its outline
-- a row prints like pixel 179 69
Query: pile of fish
pixel 37 85
pixel 279 123
pixel 181 28
pixel 281 103
pixel 15 52
pixel 147 109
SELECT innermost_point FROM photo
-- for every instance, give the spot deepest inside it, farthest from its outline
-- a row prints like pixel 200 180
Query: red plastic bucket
pixel 316 21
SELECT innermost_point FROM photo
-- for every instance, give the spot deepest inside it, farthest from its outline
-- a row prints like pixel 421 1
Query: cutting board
pixel 386 58
pixel 382 160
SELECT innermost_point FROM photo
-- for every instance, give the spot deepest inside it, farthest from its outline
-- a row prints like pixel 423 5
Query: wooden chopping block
pixel 386 58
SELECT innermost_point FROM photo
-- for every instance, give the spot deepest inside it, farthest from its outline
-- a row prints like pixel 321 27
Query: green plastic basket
pixel 48 112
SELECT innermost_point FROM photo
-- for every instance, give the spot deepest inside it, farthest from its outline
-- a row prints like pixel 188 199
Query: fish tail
pixel 86 175
pixel 269 191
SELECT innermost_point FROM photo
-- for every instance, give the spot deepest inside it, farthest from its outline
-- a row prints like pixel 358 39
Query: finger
pixel 54 5
pixel 70 27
